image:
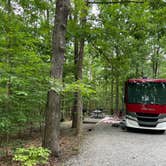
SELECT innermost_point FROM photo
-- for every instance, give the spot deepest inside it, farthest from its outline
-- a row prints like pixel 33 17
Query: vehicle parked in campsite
pixel 145 104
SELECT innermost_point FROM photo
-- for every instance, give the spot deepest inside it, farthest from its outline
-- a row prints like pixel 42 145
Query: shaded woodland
pixel 58 58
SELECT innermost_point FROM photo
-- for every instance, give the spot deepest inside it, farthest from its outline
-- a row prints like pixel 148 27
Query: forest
pixel 60 58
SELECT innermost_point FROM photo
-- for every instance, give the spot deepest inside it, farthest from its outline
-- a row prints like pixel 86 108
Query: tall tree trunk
pixel 79 53
pixel 117 83
pixel 112 95
pixel 79 104
pixel 77 108
pixel 9 68
pixel 74 112
pixel 155 62
pixel 117 96
pixel 155 58
pixel 76 55
pixel 52 119
pixel 137 70
pixel 8 58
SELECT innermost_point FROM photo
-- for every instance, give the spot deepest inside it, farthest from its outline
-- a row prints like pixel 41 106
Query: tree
pixel 52 119
pixel 23 70
pixel 79 44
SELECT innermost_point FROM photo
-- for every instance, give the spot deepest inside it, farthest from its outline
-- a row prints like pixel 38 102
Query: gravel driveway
pixel 111 146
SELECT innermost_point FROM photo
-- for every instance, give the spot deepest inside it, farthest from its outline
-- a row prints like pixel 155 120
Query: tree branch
pixel 97 2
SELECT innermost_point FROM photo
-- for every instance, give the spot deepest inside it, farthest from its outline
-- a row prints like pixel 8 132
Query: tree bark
pixel 112 96
pixel 155 62
pixel 74 111
pixel 117 96
pixel 78 60
pixel 77 108
pixel 110 2
pixel 79 104
pixel 52 117
pixel 76 55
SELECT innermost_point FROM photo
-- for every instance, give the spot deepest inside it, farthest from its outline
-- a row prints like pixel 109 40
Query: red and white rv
pixel 145 104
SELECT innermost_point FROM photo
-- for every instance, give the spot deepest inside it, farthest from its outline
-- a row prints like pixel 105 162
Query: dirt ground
pixel 68 141
pixel 109 145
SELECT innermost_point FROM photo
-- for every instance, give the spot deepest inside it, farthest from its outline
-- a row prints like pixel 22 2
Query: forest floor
pixel 69 144
pixel 102 144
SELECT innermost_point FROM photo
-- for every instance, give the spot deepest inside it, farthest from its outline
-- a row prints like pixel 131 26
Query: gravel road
pixel 111 146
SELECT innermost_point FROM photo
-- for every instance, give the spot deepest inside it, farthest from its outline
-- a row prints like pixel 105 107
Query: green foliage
pixel 124 40
pixel 59 87
pixel 86 90
pixel 31 156
pixel 5 125
pixel 24 64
